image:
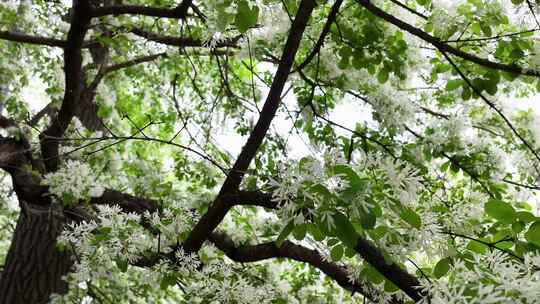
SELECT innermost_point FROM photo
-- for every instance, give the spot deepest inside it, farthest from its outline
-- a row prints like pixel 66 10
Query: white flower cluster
pixel 10 4
pixel 274 21
pixel 73 182
pixel 291 184
pixel 219 283
pixel 293 188
pixel 391 108
pixel 172 222
pixel 103 244
pixel 405 180
pixel 492 278
pixel 456 130
pixel 445 18
pixel 116 238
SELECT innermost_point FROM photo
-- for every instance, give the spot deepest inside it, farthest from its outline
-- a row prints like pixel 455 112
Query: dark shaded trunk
pixel 34 266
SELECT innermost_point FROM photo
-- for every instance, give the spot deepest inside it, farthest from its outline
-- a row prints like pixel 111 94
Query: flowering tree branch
pixel 290 250
pixel 444 47
pixel 179 12
pixel 393 272
pixel 132 62
pixel 127 202
pixel 373 255
pixel 492 106
pixel 326 29
pixel 219 208
pixel 183 41
pixel 126 64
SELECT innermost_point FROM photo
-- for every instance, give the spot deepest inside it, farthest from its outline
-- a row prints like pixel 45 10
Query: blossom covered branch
pixel 219 208
pixel 444 47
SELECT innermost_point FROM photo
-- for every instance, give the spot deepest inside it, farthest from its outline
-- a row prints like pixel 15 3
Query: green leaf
pixel 477 247
pixel 322 190
pixel 122 264
pixel 345 230
pixel 501 211
pixel 349 174
pixel 299 232
pixel 442 267
pixel 316 232
pixel 246 17
pixel 525 216
pixel 285 233
pixel 390 287
pixel 372 274
pixel 349 252
pixel 486 29
pixel 367 220
pixel 411 217
pixel 533 234
pixel 101 234
pixel 453 84
pixel 331 242
pixel 382 76
pixel 518 226
pixel 337 253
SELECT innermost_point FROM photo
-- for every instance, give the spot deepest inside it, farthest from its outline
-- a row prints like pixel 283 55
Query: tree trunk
pixel 34 266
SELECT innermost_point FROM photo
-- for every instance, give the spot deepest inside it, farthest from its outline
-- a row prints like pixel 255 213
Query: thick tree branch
pixel 443 47
pixel 182 41
pixel 251 198
pixel 246 254
pixel 127 202
pixel 179 12
pixel 38 40
pixel 219 207
pixel 74 83
pixel 393 272
pixel 47 110
pixel 6 122
pixel 373 255
pixel 16 159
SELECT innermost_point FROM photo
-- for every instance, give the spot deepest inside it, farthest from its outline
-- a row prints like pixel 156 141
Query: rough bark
pixel 34 266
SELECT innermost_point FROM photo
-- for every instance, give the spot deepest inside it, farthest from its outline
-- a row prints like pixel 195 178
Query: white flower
pixel 73 182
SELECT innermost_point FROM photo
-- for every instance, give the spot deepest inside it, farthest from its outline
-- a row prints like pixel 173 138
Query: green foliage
pixel 246 16
pixel 533 233
pixel 501 211
pixel 442 267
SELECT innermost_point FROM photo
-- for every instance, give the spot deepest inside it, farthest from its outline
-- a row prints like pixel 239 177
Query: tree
pixel 124 189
